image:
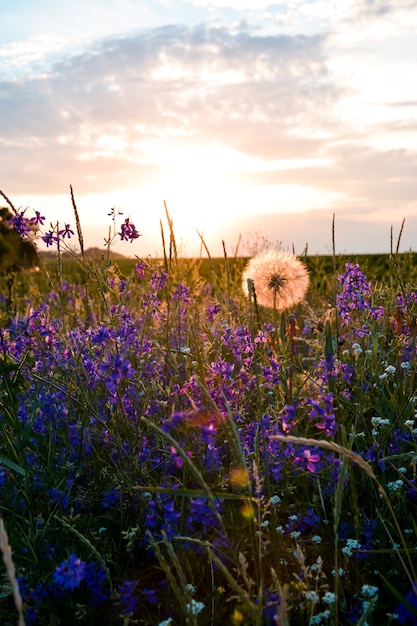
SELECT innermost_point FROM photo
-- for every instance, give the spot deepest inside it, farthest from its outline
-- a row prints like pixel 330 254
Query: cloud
pixel 109 108
pixel 276 111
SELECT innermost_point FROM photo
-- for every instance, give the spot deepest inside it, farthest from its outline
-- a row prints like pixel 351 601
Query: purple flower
pixel 356 295
pixel 66 232
pixel 140 269
pixel 38 219
pixel 408 613
pixel 213 310
pixel 128 231
pixel 50 238
pixel 289 418
pixel 127 599
pixel 95 579
pixel 158 280
pixel 22 224
pixel 150 595
pixel 307 460
pixel 181 294
pixel 324 414
pixel 116 369
pixel 311 519
pixel 70 573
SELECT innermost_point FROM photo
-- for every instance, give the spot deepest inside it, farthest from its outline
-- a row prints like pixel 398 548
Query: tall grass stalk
pixel 6 552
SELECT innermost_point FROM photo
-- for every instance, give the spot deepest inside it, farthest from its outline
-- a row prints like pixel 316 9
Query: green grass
pixel 171 451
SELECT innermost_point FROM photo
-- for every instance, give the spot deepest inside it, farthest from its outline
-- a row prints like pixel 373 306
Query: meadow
pixel 173 452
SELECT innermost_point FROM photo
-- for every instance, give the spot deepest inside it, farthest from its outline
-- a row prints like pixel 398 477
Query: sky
pixel 256 122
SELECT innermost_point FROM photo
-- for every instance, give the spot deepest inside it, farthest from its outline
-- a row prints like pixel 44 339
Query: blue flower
pixel 70 573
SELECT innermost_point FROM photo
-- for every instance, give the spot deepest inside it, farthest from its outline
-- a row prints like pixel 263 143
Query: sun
pixel 197 186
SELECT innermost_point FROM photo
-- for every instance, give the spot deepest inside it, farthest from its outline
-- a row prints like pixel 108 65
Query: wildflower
pixel 127 599
pixel 318 619
pixel 312 595
pixel 128 231
pixel 49 238
pixel 388 372
pixel 275 500
pixel 307 460
pixel 280 279
pixel 38 219
pixel 395 485
pixel 340 572
pixel 356 295
pixel 66 232
pixel 329 597
pixel 21 224
pixel 407 612
pixel 369 591
pixel 351 544
pixel 194 607
pixel 325 415
pixel 70 573
pixel 150 595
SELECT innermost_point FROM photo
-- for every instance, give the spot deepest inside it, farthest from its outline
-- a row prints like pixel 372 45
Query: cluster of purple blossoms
pixel 320 411
pixel 356 295
pixel 128 231
pixel 70 573
pixel 26 227
pixel 23 225
pixel 106 377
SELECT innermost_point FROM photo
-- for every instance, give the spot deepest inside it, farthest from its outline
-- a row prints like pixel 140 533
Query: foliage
pixel 173 454
pixel 15 251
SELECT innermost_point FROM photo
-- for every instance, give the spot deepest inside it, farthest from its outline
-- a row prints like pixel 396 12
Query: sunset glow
pixel 242 116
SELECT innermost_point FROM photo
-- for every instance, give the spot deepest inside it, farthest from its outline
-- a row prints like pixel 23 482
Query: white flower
pixel 369 591
pixel 277 499
pixel 329 597
pixel 351 544
pixel 194 607
pixel 280 279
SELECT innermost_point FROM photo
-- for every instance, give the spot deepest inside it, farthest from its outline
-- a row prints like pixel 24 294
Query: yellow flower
pixel 280 279
pixel 237 617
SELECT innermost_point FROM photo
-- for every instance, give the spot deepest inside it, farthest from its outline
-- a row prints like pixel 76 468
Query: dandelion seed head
pixel 280 279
